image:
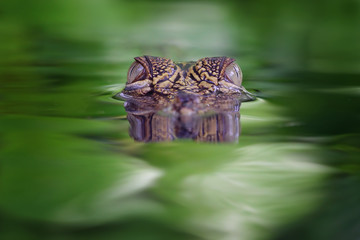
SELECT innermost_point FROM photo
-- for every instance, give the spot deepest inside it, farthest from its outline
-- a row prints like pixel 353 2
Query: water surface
pixel 70 170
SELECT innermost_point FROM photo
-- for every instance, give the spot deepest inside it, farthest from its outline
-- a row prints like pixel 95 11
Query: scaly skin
pixel 204 77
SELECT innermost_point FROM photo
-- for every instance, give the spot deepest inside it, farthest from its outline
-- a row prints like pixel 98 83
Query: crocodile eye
pixel 136 72
pixel 234 74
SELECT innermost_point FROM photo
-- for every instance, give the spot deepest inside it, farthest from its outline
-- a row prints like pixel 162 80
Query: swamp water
pixel 70 170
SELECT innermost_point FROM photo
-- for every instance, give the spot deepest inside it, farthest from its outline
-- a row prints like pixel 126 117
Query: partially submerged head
pixel 161 75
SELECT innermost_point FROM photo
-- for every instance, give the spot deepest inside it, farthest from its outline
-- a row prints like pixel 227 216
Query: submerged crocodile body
pixel 198 100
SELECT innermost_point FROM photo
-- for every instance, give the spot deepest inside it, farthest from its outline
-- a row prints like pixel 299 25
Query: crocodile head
pixel 198 100
pixel 207 76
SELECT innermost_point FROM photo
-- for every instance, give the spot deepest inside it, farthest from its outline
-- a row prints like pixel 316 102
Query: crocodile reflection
pixel 186 116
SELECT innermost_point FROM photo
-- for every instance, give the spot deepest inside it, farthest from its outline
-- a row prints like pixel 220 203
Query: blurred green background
pixel 69 170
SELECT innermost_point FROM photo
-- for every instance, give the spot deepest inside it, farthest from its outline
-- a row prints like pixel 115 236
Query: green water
pixel 69 170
